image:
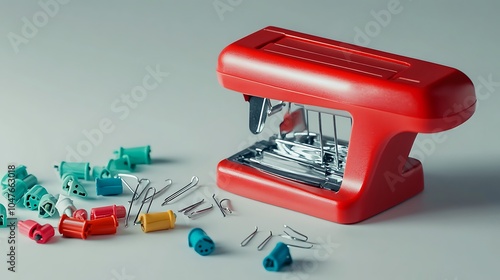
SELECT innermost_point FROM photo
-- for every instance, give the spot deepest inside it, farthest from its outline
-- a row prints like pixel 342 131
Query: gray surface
pixel 66 78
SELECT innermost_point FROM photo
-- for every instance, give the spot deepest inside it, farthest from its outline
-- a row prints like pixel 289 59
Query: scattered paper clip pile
pixel 21 188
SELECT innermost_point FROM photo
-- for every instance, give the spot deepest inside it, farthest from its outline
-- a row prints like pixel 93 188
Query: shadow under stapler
pixel 474 186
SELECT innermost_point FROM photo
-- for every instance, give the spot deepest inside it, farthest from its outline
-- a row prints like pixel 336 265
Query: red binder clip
pixel 351 117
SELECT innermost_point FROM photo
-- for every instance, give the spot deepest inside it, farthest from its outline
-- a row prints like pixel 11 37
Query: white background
pixel 61 79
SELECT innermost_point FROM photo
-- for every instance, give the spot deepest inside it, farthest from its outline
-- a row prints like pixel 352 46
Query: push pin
pixel 72 186
pixel 28 227
pixel 64 205
pixel 278 258
pixel 201 242
pixel 33 196
pixel 136 155
pixel 3 216
pixel 157 221
pixel 108 186
pixel 122 163
pixel 21 187
pixel 80 214
pixel 100 172
pixel 103 226
pixel 80 170
pixel 19 172
pixel 41 234
pixel 47 206
pixel 106 211
pixel 74 228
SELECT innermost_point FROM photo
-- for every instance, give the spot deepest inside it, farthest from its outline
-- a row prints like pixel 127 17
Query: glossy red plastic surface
pixel 103 226
pixel 28 227
pixel 43 234
pixel 74 228
pixel 390 97
pixel 80 214
pixel 106 211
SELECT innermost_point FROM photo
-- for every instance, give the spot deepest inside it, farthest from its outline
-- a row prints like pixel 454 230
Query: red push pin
pixel 106 211
pixel 103 226
pixel 80 214
pixel 28 227
pixel 74 228
pixel 41 234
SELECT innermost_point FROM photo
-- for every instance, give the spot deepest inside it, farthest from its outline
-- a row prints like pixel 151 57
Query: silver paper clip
pixel 224 210
pixel 248 238
pixel 186 209
pixel 263 244
pixel 144 201
pixel 201 211
pixel 303 238
pixel 193 183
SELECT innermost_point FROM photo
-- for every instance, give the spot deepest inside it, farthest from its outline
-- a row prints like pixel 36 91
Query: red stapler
pixel 350 115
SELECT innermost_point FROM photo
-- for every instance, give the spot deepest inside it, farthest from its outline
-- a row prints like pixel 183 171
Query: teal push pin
pixel 72 186
pixel 33 196
pixel 81 170
pixel 122 163
pixel 3 216
pixel 278 258
pixel 201 242
pixel 100 172
pixel 108 186
pixel 47 206
pixel 137 155
pixel 18 172
pixel 21 186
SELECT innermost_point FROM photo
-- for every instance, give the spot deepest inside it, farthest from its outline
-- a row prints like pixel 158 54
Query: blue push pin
pixel 201 242
pixel 278 258
pixel 3 216
pixel 21 187
pixel 108 186
pixel 19 172
pixel 33 196
pixel 100 172
pixel 47 206
pixel 72 186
